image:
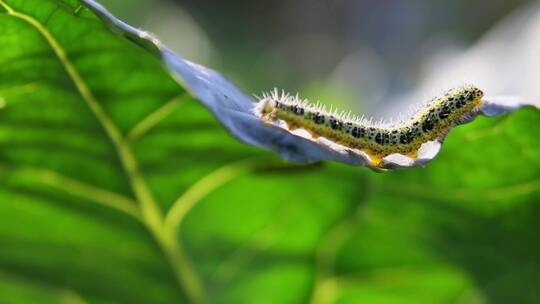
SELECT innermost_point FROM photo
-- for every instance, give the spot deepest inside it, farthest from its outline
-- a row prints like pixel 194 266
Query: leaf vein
pixel 79 188
pixel 154 118
pixel 151 213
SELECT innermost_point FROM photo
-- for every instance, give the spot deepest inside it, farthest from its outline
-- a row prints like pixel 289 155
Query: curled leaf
pixel 234 109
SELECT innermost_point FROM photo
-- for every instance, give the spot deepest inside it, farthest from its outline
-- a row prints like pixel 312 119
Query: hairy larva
pixel 432 122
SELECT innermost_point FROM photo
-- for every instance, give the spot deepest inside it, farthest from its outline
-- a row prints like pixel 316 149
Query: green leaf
pixel 117 186
pixel 76 211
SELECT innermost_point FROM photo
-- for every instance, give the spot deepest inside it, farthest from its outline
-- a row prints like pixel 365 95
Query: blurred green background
pixel 100 204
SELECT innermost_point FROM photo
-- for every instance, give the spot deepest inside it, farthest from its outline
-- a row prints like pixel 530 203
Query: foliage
pixel 117 186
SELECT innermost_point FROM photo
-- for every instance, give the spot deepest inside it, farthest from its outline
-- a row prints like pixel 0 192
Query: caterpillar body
pixel 432 122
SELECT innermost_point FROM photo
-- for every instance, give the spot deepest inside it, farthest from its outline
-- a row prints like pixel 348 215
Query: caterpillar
pixel 431 122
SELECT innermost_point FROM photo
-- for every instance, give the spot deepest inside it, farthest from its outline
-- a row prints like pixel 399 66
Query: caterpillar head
pixel 463 99
pixel 470 97
pixel 477 96
pixel 466 101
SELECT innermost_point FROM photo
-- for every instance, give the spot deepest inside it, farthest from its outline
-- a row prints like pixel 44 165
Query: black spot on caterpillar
pixel 432 122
